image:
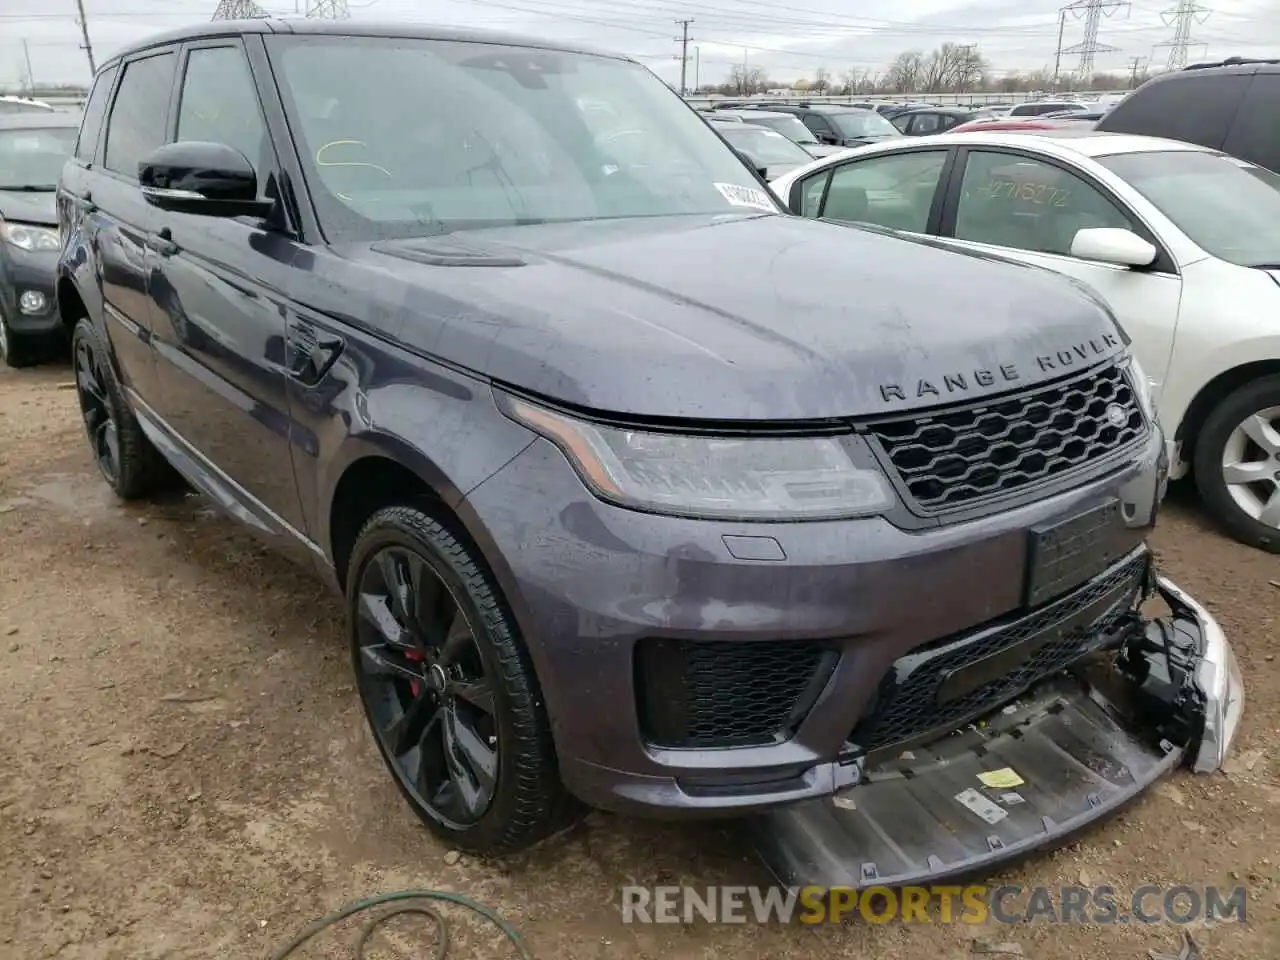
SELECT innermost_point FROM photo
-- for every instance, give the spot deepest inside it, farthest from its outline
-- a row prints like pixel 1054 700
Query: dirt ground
pixel 185 771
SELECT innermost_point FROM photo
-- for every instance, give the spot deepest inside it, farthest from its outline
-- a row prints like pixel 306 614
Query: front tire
pixel 1237 463
pixel 448 689
pixel 20 350
pixel 125 457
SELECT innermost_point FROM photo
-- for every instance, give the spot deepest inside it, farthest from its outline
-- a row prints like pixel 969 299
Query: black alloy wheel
pixel 99 418
pixel 448 687
pixel 430 702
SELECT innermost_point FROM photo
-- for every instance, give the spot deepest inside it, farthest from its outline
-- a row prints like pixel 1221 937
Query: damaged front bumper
pixel 1062 756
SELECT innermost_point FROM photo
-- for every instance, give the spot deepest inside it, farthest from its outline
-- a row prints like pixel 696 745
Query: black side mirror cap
pixel 211 179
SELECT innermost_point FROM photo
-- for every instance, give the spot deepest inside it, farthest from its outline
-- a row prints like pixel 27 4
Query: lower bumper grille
pixel 947 683
pixel 717 693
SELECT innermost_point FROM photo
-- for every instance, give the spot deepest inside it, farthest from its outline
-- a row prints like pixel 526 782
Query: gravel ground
pixel 185 772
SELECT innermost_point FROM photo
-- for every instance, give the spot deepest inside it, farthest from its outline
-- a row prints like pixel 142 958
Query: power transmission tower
pixel 84 32
pixel 1093 11
pixel 238 10
pixel 328 10
pixel 1182 18
pixel 684 52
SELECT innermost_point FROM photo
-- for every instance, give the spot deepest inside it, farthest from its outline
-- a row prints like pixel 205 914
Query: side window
pixel 811 193
pixel 219 104
pixel 1017 202
pixel 1196 107
pixel 140 114
pixel 892 191
pixel 1255 131
pixel 94 112
pixel 901 122
pixel 925 123
pixel 817 124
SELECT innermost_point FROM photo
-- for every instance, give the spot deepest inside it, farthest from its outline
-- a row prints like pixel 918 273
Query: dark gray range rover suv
pixel 638 490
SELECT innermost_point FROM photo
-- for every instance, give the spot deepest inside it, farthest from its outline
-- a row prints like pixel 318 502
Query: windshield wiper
pixel 29 188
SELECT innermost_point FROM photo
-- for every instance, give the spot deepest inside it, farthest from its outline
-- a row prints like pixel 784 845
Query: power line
pixel 1093 11
pixel 238 10
pixel 684 53
pixel 1181 18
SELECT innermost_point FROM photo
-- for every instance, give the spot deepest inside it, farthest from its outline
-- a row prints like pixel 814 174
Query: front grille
pixel 721 693
pixel 954 457
pixel 907 703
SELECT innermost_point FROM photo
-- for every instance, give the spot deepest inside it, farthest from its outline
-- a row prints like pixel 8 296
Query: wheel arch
pixel 1213 393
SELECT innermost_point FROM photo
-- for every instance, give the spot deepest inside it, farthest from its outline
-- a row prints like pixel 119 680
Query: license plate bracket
pixel 1063 555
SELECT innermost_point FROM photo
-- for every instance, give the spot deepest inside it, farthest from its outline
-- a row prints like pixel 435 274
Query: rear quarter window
pixel 1255 130
pixel 1197 107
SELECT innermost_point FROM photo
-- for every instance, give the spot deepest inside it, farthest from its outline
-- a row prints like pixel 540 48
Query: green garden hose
pixel 419 909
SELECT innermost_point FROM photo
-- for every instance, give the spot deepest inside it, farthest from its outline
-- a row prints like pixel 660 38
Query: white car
pixel 1183 243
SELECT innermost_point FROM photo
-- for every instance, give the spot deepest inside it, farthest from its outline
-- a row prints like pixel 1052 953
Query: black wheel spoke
pixel 104 436
pixel 407 731
pixel 385 661
pixel 478 693
pixel 87 380
pixel 473 765
pixel 456 641
pixel 437 613
pixel 375 611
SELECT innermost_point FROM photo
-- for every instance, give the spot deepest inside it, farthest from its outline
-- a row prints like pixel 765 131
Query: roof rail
pixel 1231 62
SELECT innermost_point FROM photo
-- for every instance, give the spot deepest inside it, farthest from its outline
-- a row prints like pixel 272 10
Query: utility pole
pixel 1182 18
pixel 1057 57
pixel 1093 11
pixel 1135 64
pixel 84 32
pixel 697 68
pixel 31 77
pixel 684 53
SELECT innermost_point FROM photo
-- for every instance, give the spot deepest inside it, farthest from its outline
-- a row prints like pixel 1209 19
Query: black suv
pixel 1232 106
pixel 839 125
pixel 638 489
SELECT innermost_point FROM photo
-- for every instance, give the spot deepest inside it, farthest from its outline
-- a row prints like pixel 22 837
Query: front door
pixel 1029 209
pixel 220 336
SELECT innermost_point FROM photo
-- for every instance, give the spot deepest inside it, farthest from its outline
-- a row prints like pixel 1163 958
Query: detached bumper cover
pixel 1076 753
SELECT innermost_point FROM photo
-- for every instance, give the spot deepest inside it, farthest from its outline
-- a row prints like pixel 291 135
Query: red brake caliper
pixel 415 686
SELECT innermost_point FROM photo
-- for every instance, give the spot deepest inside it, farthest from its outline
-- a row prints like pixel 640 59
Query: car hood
pixel 38 208
pixel 759 317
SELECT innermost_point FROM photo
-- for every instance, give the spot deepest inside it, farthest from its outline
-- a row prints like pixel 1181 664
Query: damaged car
pixel 640 492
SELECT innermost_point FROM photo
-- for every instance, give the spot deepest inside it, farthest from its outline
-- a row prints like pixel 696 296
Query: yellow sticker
pixel 1003 779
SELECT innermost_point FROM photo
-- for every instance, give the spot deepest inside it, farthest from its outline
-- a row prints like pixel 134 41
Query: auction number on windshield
pixel 1042 193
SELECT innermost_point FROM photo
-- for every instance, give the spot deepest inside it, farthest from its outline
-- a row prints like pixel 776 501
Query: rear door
pixel 220 338
pixel 1255 128
pixel 135 126
pixel 1029 207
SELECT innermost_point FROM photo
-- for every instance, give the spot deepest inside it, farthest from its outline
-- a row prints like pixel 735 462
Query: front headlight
pixel 29 238
pixel 729 477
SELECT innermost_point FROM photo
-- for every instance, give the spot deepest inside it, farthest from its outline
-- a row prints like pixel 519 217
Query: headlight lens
pixel 29 238
pixel 747 478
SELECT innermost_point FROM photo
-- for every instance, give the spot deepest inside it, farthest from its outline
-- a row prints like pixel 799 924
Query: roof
pixel 351 28
pixel 952 111
pixel 1065 140
pixel 744 114
pixel 38 121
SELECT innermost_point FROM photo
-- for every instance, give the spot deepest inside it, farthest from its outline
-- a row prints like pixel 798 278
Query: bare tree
pixel 906 73
pixel 821 81
pixel 746 80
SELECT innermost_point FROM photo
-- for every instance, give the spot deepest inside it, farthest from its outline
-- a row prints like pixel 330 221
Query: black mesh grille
pixel 720 693
pixel 1037 645
pixel 950 458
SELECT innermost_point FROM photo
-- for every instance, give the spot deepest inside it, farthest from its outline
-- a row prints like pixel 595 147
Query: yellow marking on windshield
pixel 1045 194
pixel 347 163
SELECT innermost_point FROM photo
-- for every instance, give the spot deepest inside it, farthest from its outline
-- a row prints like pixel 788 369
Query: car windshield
pixel 862 123
pixel 764 147
pixel 31 159
pixel 1229 208
pixel 790 127
pixel 482 135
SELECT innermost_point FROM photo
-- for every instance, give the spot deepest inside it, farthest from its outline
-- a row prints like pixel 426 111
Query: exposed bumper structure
pixel 1070 752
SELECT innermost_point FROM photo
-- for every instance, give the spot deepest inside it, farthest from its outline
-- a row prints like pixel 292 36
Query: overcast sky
pixel 790 39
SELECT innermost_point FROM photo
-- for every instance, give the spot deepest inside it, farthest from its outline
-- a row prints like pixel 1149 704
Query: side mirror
pixel 211 179
pixel 830 138
pixel 1123 248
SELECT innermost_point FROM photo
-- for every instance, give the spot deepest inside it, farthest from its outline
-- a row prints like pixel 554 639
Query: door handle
pixel 162 243
pixel 312 358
